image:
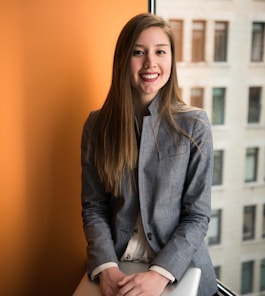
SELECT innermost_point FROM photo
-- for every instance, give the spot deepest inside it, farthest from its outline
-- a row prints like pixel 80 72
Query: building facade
pixel 221 68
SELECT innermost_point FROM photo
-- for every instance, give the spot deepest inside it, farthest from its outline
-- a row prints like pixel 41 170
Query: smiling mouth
pixel 151 76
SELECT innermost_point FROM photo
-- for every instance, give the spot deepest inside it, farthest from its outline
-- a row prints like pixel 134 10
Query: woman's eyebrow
pixel 157 45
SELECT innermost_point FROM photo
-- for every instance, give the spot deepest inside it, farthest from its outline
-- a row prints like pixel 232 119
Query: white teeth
pixel 149 76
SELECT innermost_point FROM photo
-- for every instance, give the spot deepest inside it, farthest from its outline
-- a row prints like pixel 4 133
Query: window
pixel 257 46
pixel 218 106
pixel 249 222
pixel 197 97
pixel 251 164
pixel 198 41
pixel 263 222
pixel 214 232
pixel 218 167
pixel 254 104
pixel 220 41
pixel 217 270
pixel 223 53
pixel 177 28
pixel 247 277
pixel 262 275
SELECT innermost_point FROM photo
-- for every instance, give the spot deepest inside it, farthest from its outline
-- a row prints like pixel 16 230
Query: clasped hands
pixel 113 282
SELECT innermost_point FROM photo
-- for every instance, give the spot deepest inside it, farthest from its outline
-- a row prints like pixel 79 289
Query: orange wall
pixel 56 59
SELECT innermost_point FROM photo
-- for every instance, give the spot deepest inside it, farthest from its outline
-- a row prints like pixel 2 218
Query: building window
pixel 249 222
pixel 197 97
pixel 217 270
pixel 263 222
pixel 257 46
pixel 220 41
pixel 198 41
pixel 214 232
pixel 247 277
pixel 254 104
pixel 251 164
pixel 218 167
pixel 218 111
pixel 262 275
pixel 177 28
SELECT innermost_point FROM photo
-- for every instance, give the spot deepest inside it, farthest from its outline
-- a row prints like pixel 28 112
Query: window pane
pixel 197 97
pixel 257 49
pixel 254 104
pixel 177 28
pixel 249 222
pixel 198 41
pixel 263 223
pixel 247 277
pixel 217 270
pixel 218 167
pixel 220 41
pixel 262 275
pixel 218 106
pixel 214 231
pixel 251 165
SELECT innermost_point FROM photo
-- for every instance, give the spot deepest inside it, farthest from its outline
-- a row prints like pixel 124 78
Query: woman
pixel 146 170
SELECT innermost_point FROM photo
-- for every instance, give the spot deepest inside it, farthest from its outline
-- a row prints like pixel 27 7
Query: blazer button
pixel 149 235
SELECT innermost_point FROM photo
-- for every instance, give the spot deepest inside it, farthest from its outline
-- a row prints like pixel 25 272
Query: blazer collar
pixel 153 107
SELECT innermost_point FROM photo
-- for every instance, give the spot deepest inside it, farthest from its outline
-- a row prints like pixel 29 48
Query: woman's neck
pixel 141 111
pixel 141 108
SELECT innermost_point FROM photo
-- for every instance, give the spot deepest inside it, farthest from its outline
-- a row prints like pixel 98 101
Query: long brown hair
pixel 115 150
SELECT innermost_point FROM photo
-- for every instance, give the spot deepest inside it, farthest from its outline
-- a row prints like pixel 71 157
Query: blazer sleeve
pixel 189 234
pixel 95 209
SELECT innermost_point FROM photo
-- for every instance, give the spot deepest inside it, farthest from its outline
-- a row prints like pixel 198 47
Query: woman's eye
pixel 161 52
pixel 138 52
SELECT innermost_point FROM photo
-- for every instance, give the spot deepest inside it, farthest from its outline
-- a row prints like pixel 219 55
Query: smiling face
pixel 150 64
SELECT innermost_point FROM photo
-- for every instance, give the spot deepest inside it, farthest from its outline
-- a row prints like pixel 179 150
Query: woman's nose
pixel 149 61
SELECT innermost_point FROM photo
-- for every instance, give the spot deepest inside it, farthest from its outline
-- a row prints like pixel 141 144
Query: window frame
pixel 254 108
pixel 177 28
pixel 220 41
pixel 198 41
pixel 257 42
pixel 247 267
pixel 217 117
pixel 263 221
pixel 197 100
pixel 262 275
pixel 249 223
pixel 251 161
pixel 218 171
pixel 216 216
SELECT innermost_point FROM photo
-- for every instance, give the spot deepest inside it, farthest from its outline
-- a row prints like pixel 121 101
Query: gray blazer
pixel 174 197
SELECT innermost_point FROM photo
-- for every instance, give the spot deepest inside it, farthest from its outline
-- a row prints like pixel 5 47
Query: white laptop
pixel 187 286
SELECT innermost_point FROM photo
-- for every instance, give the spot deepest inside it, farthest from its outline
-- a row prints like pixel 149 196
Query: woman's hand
pixel 109 279
pixel 148 283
